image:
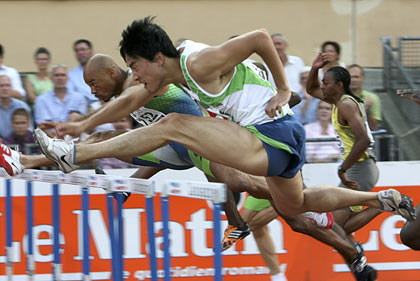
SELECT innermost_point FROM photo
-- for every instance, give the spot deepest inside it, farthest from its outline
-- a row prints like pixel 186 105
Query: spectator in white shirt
pixel 293 65
pixel 17 88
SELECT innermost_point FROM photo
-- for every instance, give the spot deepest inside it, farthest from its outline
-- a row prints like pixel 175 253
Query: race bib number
pixel 145 116
pixel 217 114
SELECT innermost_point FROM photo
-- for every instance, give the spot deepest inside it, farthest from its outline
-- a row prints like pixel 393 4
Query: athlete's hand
pixel 73 129
pixel 321 60
pixel 47 125
pixel 346 181
pixel 275 103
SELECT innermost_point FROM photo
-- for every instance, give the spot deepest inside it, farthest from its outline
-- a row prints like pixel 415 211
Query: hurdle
pixel 113 185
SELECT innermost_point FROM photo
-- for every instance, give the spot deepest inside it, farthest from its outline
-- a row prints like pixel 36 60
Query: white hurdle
pixel 215 192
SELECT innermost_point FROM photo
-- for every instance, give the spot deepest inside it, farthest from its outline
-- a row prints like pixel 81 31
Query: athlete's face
pixel 330 87
pixel 101 84
pixel 148 73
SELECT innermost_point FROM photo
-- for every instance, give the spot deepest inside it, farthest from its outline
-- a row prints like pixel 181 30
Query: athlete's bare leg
pixel 410 233
pixel 258 221
pixel 229 144
pixel 35 161
pixel 240 181
pixel 352 222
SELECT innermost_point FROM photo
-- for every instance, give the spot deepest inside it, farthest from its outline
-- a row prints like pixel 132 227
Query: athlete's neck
pixel 173 72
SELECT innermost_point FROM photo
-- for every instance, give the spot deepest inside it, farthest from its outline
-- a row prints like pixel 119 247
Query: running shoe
pixel 393 201
pixel 10 160
pixel 58 151
pixel 233 234
pixel 99 171
pixel 324 220
pixel 361 270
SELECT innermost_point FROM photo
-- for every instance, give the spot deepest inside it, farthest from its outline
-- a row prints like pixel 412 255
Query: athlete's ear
pixel 111 72
pixel 159 58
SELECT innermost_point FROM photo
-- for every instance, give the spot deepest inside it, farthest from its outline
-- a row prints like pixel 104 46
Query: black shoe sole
pixel 99 171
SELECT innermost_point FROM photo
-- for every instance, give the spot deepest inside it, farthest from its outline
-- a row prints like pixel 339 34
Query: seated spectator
pixel 322 152
pixel 83 50
pixel 21 135
pixel 39 83
pixel 57 104
pixel 306 110
pixel 8 105
pixel 370 100
pixel 17 90
pixel 333 49
pixel 124 124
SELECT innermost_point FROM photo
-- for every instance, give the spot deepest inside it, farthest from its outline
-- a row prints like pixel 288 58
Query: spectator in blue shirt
pixel 306 110
pixel 83 50
pixel 57 104
pixel 8 105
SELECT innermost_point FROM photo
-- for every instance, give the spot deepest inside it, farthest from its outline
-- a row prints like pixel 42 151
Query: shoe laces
pixel 359 264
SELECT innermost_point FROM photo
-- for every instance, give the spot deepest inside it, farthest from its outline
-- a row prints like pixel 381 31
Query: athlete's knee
pixel 173 123
pixel 298 224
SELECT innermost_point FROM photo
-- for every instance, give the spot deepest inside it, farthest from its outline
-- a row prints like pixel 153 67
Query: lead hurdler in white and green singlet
pixel 243 101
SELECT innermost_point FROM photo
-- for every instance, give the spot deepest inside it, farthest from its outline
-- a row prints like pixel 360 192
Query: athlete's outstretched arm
pixel 131 99
pixel 214 62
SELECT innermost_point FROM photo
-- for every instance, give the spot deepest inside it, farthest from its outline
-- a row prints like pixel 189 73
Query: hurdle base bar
pixel 30 268
pixel 56 267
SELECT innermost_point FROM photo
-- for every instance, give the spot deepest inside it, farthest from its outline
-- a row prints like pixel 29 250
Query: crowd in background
pixel 57 94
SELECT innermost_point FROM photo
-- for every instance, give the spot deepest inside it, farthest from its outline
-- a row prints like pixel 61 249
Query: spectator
pixel 122 125
pixel 322 128
pixel 17 89
pixel 8 105
pixel 83 50
pixel 57 104
pixel 333 49
pixel 371 101
pixel 39 83
pixel 21 134
pixel 292 65
pixel 306 110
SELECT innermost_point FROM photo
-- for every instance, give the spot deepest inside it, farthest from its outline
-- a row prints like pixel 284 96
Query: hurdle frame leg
pixel 30 263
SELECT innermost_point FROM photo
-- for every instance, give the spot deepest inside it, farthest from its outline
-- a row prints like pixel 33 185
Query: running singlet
pixel 347 136
pixel 174 100
pixel 244 98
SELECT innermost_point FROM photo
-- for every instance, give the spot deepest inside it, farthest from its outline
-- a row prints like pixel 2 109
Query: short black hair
pixel 1 50
pixel 143 38
pixel 335 45
pixel 77 42
pixel 340 74
pixel 42 50
pixel 21 112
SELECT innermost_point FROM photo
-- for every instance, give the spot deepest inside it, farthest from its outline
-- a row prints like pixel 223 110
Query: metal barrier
pixel 114 185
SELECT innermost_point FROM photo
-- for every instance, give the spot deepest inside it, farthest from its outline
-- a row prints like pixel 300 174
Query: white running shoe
pixel 393 201
pixel 10 160
pixel 58 151
pixel 324 220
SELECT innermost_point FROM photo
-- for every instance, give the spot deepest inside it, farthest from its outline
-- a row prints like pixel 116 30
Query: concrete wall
pixel 26 25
